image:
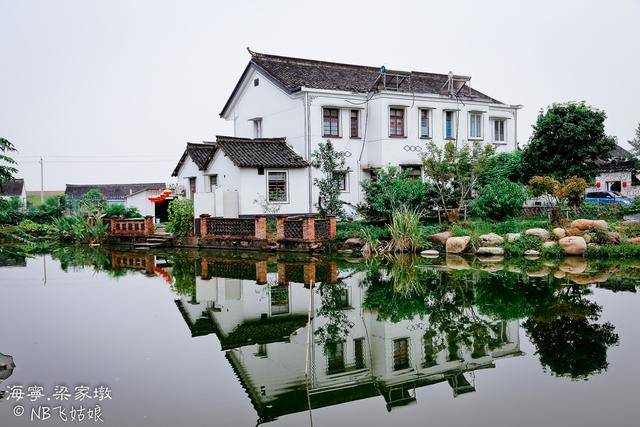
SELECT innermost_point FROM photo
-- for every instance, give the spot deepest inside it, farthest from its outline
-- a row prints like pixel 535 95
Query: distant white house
pixel 376 117
pixel 618 174
pixel 14 188
pixel 131 195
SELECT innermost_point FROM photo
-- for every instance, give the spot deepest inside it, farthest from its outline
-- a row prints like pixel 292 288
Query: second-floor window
pixel 498 130
pixel 331 122
pixel 449 124
pixel 354 124
pixel 475 125
pixel 257 128
pixel 396 122
pixel 425 123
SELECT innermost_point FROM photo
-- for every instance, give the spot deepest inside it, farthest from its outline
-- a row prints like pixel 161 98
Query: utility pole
pixel 41 181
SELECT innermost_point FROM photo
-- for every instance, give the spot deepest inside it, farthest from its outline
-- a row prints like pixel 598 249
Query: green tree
pixel 331 164
pixel 180 217
pixel 500 199
pixel 635 142
pixel 92 202
pixel 455 169
pixel 567 140
pixel 502 166
pixel 6 162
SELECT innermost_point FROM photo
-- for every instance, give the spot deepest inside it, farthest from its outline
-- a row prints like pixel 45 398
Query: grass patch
pixel 623 250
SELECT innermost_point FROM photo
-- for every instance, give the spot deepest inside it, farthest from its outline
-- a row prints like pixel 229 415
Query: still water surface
pixel 219 339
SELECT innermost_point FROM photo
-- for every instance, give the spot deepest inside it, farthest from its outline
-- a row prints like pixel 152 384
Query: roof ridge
pixel 313 61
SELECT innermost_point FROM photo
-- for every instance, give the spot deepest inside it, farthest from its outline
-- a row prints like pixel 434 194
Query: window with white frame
pixel 331 122
pixel 475 125
pixel 396 122
pixel 277 186
pixel 257 128
pixel 342 178
pixel 499 130
pixel 425 123
pixel 449 127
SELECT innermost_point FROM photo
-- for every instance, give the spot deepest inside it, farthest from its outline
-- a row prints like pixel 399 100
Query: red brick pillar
pixel 203 224
pixel 333 272
pixel 112 226
pixel 149 264
pixel 332 226
pixel 308 228
pixel 261 227
pixel 148 225
pixel 280 227
pixel 261 272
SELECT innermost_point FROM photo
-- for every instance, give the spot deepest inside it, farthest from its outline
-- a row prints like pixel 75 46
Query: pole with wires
pixel 41 180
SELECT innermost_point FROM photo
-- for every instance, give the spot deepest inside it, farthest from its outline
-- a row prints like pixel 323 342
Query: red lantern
pixel 624 184
pixel 598 184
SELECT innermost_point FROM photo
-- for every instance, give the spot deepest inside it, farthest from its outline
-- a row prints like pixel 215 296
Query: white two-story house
pixel 376 117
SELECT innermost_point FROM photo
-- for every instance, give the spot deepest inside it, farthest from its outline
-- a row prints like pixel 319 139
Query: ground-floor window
pixel 335 357
pixel 343 180
pixel 413 171
pixel 614 186
pixel 277 187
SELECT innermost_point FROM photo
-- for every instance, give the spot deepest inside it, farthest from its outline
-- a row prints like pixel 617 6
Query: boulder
pixel 559 274
pixel 345 251
pixel 549 244
pixel 492 268
pixel 544 272
pixel 559 232
pixel 491 239
pixel 573 245
pixel 573 231
pixel 513 236
pixel 586 224
pixel 490 250
pixel 491 259
pixel 440 238
pixel 634 241
pixel 611 237
pixel 355 242
pixel 457 245
pixel 540 233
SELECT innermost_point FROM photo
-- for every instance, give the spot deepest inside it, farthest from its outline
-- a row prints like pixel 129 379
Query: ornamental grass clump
pixel 405 230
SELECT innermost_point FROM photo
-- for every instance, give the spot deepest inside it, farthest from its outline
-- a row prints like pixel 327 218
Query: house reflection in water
pixel 259 310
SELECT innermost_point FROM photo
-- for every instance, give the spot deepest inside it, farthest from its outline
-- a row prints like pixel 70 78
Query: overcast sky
pixel 93 86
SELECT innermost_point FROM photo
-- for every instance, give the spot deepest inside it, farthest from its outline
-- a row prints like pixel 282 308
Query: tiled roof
pixel 620 160
pixel 201 154
pixel 113 191
pixel 292 74
pixel 12 188
pixel 260 152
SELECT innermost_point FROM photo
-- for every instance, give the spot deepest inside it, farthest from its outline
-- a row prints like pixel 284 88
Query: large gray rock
pixel 457 245
pixel 430 253
pixel 513 236
pixel 354 242
pixel 586 224
pixel 559 232
pixel 573 245
pixel 491 239
pixel 440 237
pixel 540 233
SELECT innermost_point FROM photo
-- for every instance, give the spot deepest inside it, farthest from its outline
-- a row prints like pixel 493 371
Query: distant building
pixel 618 174
pixel 14 188
pixel 117 194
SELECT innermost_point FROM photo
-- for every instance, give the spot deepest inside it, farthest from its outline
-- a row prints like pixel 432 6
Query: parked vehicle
pixel 606 198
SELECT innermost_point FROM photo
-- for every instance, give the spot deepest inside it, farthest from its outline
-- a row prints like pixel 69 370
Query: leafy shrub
pixel 77 228
pixel 391 190
pixel 499 199
pixel 180 217
pixel 357 229
pixel 522 244
pixel 623 250
pixel 11 211
pixel 572 191
pixel 600 211
pixel 92 202
pixel 118 210
pixel 34 228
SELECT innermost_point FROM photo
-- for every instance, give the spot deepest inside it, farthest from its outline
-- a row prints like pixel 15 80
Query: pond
pixel 218 339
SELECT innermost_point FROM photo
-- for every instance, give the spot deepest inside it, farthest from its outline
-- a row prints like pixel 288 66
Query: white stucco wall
pixel 141 201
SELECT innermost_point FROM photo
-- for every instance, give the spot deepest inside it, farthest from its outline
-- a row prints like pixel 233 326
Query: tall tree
pixel 635 142
pixel 332 166
pixel 6 163
pixel 567 140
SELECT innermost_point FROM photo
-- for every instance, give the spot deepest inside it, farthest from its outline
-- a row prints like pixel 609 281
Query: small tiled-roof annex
pixel 293 74
pixel 260 152
pixel 201 154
